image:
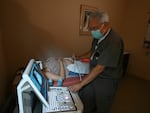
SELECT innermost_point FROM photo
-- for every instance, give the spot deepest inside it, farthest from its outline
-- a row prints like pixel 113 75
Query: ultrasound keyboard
pixel 60 99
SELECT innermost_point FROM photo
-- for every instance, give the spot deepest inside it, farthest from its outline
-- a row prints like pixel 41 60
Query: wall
pixel 2 73
pixel 134 28
pixel 32 29
pixel 3 83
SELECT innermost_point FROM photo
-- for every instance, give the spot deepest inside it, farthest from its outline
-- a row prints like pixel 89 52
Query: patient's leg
pixel 62 69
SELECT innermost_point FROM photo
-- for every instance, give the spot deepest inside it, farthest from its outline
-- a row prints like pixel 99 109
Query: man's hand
pixel 90 77
pixel 75 88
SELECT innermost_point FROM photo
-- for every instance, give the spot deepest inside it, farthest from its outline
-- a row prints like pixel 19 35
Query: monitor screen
pixel 38 79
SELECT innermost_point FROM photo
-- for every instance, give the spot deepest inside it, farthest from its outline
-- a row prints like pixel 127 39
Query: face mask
pixel 96 34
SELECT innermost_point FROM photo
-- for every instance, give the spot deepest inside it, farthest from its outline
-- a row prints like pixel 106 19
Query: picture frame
pixel 85 10
pixel 147 34
pixel 147 38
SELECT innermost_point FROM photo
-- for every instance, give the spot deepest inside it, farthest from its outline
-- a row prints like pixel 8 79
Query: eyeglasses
pixel 95 28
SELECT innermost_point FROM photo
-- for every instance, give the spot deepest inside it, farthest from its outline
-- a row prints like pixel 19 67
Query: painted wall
pixel 2 72
pixel 31 29
pixel 35 29
pixel 134 29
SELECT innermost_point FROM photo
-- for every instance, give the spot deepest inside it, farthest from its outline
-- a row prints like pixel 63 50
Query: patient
pixel 54 68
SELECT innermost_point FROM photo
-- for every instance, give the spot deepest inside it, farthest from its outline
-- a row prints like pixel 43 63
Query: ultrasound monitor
pixel 33 83
pixel 38 79
pixel 32 80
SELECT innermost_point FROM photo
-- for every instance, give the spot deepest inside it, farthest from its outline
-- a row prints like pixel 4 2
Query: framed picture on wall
pixel 147 37
pixel 85 11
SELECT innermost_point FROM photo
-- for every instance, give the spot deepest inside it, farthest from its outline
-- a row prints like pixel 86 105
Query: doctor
pixel 98 89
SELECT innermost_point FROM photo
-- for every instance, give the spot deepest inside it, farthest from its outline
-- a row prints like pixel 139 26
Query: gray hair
pixel 102 16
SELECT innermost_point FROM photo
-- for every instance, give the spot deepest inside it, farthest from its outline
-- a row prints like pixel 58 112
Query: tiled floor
pixel 133 96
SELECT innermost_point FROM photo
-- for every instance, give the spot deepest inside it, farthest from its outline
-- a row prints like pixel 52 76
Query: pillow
pixel 79 67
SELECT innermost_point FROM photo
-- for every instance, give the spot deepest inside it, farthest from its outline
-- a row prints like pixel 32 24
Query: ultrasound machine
pixel 34 93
